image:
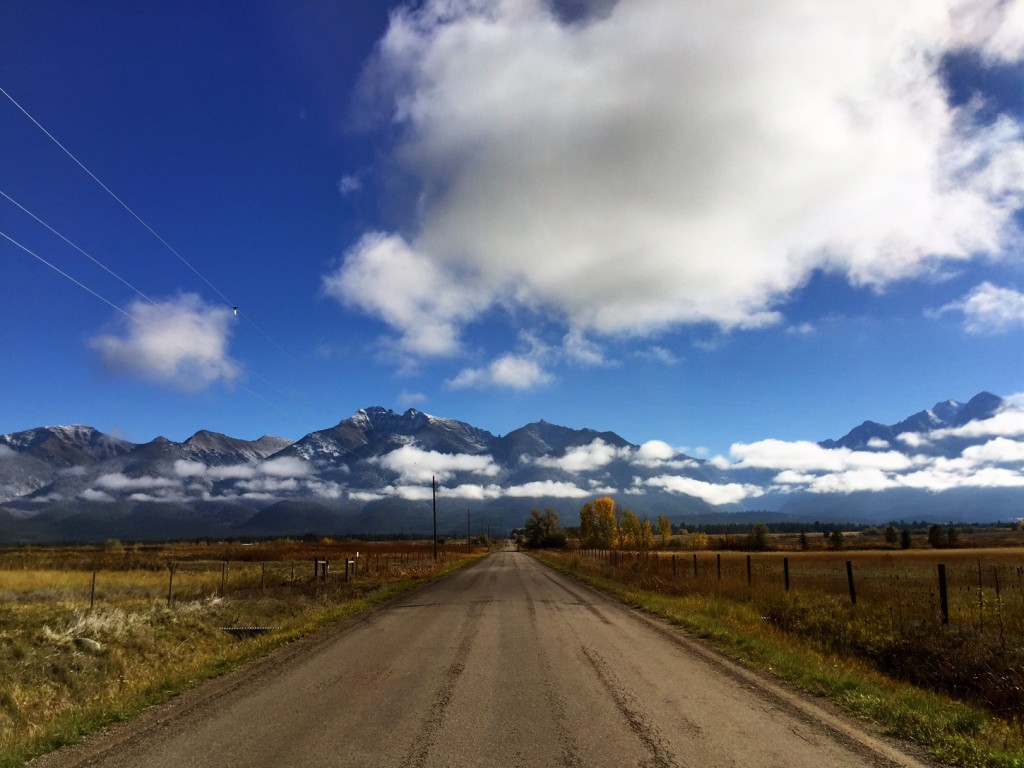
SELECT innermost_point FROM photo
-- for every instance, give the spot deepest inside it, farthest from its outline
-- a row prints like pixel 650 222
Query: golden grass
pixel 66 670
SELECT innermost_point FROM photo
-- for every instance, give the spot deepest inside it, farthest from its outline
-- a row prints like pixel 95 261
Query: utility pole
pixel 433 493
pixel 469 533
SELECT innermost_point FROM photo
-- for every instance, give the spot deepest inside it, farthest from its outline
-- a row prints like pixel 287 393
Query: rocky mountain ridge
pixel 372 472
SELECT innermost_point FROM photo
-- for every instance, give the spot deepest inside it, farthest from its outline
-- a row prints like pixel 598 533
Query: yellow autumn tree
pixel 665 529
pixel 605 525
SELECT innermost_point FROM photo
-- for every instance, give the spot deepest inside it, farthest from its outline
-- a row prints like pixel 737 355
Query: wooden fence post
pixel 694 565
pixel 785 571
pixel 849 579
pixel 718 557
pixel 92 592
pixel 750 573
pixel 673 565
pixel 223 576
pixel 170 584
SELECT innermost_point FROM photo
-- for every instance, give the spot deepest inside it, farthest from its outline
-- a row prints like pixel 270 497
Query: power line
pixel 139 219
pixel 132 317
pixel 66 240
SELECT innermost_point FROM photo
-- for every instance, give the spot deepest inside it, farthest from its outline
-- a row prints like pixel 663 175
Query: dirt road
pixel 506 663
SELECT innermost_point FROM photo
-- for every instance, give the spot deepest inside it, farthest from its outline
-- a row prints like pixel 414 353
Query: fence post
pixel 92 592
pixel 170 584
pixel 785 571
pixel 943 594
pixel 849 579
pixel 223 576
pixel 347 561
pixel 263 576
pixel 750 573
pixel 694 565
pixel 673 565
pixel 718 557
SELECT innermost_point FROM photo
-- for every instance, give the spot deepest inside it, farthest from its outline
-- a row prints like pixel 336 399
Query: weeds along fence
pixel 982 589
pixel 94 579
pixel 947 619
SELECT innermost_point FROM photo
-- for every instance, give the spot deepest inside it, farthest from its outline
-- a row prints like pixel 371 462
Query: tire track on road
pixel 419 750
pixel 569 747
pixel 647 732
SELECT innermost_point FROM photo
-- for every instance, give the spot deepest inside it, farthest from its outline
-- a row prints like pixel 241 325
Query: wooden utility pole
pixel 433 493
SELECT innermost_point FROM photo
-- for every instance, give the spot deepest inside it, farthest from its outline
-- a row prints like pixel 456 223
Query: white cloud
pixel 579 349
pixel 383 276
pixel 654 451
pixel 802 455
pixel 409 399
pixel 878 444
pixel 90 494
pixel 547 488
pixel 657 354
pixel 7 452
pixel 415 465
pixel 181 341
pixel 713 493
pixel 118 481
pixel 349 183
pixel 672 163
pixel 508 371
pixel 584 458
pixel 286 466
pixel 997 451
pixel 656 454
pixel 473 491
pixel 269 484
pixel 989 309
pixel 185 468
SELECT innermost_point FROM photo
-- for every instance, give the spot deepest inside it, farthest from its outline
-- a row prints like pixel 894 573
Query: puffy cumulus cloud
pixel 997 451
pixel 184 468
pixel 978 466
pixel 269 485
pixel 713 493
pixel 671 162
pixel 584 458
pixel 1007 422
pixel 383 276
pixel 286 466
pixel 509 371
pixel 91 494
pixel 803 455
pixel 474 491
pixel 656 454
pixel 878 444
pixel 547 488
pixel 118 481
pixel 415 465
pixel 164 497
pixel 989 309
pixel 180 341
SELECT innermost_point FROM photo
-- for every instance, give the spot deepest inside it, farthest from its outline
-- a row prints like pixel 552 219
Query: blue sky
pixel 693 222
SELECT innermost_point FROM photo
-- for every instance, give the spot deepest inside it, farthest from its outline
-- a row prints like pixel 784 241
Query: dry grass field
pixel 893 622
pixel 74 656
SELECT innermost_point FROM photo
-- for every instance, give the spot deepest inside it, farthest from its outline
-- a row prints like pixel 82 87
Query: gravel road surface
pixel 505 663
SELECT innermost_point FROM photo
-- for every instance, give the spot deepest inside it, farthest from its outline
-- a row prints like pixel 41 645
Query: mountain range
pixel 373 473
